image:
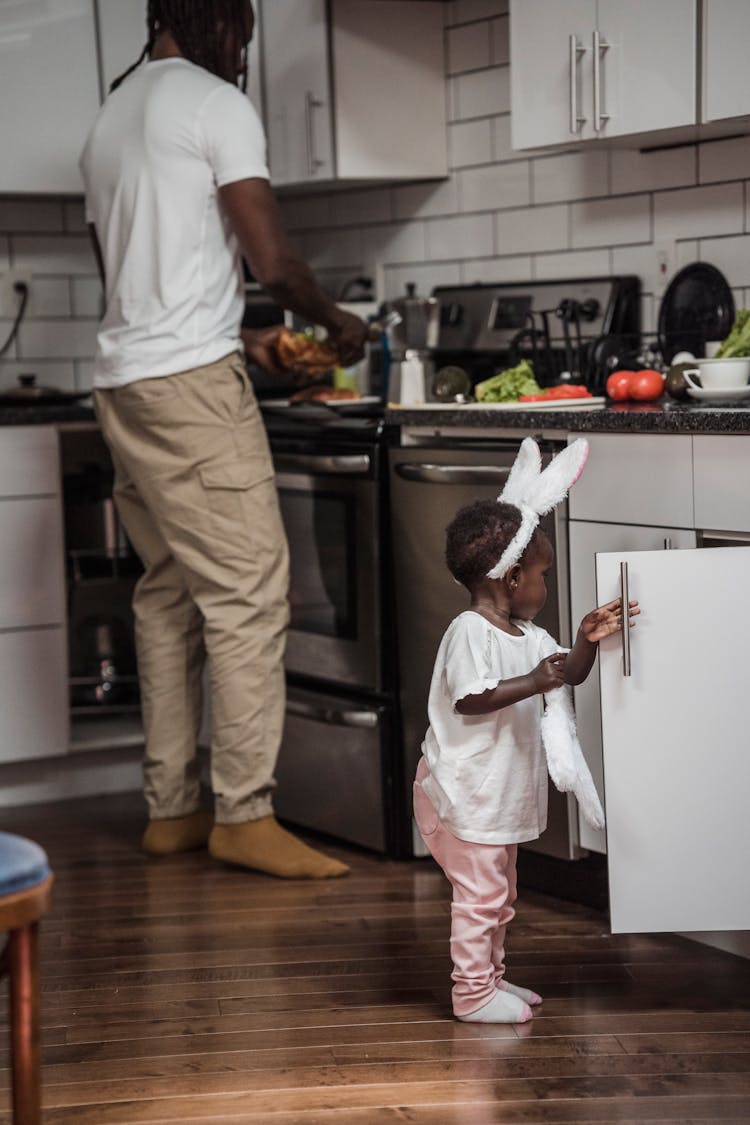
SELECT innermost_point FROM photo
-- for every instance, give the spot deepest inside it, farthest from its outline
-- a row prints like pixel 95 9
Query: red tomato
pixel 646 385
pixel 618 385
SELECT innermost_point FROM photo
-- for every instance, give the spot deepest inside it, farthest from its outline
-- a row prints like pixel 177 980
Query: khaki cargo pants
pixel 195 490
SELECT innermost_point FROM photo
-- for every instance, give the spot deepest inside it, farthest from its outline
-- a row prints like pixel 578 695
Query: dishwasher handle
pixel 333 716
pixel 324 464
pixel 428 473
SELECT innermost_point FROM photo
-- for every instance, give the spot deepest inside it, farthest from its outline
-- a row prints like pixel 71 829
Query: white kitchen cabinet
pixel 721 469
pixel 677 771
pixel 49 91
pixel 354 90
pixel 33 635
pixel 636 478
pixel 585 539
pixel 726 77
pixel 597 69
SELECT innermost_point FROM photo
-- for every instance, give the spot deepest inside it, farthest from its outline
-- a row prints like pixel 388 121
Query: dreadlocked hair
pixel 200 29
pixel 476 538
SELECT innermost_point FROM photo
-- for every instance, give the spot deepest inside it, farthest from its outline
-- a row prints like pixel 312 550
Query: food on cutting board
pixel 646 385
pixel 301 352
pixel 508 385
pixel 325 394
pixel 737 343
pixel 558 393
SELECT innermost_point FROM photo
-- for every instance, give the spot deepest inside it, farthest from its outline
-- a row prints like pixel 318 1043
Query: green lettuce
pixel 508 386
pixel 737 343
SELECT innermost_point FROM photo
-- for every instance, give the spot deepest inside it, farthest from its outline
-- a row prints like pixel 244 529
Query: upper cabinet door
pixel 551 71
pixel 644 59
pixel 49 91
pixel 297 87
pixel 726 75
pixel 676 766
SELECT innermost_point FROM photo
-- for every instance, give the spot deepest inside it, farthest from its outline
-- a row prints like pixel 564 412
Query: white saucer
pixel 719 394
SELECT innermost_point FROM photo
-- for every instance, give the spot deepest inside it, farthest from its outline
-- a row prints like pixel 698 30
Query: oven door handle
pixel 328 464
pixel 425 473
pixel 333 716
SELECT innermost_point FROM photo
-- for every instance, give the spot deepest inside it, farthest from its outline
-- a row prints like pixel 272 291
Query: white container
pixel 719 374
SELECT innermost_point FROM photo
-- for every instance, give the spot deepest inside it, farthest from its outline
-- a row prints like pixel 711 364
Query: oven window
pixel 323 564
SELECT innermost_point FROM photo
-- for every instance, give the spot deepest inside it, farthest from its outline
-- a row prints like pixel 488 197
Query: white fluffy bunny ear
pixel 523 474
pixel 552 485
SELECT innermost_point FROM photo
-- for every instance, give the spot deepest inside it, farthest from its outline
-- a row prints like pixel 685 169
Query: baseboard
pixel 89 774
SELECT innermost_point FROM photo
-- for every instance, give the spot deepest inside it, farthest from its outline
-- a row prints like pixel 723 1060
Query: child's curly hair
pixel 477 536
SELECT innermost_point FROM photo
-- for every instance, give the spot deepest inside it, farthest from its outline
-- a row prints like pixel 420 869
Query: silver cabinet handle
pixel 451 474
pixel 600 47
pixel 311 104
pixel 667 542
pixel 576 50
pixel 332 716
pixel 625 596
pixel 332 464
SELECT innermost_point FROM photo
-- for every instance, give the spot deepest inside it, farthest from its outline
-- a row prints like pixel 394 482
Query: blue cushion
pixel 23 864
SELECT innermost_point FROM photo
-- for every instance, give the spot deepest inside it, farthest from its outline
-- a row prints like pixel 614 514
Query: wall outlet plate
pixel 665 263
pixel 10 300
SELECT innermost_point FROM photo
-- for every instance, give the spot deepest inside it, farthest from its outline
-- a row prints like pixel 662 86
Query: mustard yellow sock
pixel 178 834
pixel 265 846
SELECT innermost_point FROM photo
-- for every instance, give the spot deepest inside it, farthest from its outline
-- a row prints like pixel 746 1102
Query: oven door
pixel 329 505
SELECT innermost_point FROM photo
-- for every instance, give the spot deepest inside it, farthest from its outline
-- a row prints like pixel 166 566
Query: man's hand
pixel 605 620
pixel 260 347
pixel 348 335
pixel 550 673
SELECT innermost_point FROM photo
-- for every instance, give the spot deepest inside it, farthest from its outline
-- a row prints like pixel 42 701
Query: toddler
pixel 481 783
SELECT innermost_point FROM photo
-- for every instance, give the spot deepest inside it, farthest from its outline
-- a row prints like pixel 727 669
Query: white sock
pixel 524 994
pixel 504 1007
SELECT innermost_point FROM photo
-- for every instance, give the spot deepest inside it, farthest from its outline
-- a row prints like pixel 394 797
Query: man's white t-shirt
pixel 162 145
pixel 488 773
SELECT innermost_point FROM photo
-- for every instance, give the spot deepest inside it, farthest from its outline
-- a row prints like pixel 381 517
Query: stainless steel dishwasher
pixel 428 484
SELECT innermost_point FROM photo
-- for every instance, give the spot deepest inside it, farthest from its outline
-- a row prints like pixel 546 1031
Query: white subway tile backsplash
pixel 469 48
pixel 572 263
pixel 419 201
pixel 455 238
pixel 49 373
pixel 489 189
pixel 30 215
pixel 730 255
pixel 500 41
pixel 709 210
pixel 5 328
pixel 332 249
pixel 306 212
pixel 576 175
pixel 84 375
pixel 64 254
pixel 425 277
pixel 533 230
pixel 359 207
pixel 461 11
pixel 608 222
pixel 88 297
pixel 489 271
pixel 470 142
pixel 652 171
pixel 724 160
pixel 482 93
pixel 74 215
pixel 4 254
pixel 57 339
pixel 49 297
pixel 394 243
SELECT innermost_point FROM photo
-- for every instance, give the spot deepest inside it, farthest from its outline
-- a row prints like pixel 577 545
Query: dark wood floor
pixel 183 991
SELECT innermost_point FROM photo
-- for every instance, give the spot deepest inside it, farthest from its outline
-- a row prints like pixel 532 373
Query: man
pixel 176 185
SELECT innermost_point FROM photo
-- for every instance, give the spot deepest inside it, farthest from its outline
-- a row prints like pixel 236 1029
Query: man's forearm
pixel 293 286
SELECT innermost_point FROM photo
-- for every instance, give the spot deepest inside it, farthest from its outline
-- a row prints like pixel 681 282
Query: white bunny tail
pixel 523 474
pixel 552 485
pixel 565 761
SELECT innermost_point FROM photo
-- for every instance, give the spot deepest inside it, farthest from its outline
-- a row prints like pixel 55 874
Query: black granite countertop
pixel 630 417
pixel 54 414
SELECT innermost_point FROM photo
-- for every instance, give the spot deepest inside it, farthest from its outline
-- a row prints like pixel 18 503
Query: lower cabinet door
pixel 330 773
pixel 34 718
pixel 674 732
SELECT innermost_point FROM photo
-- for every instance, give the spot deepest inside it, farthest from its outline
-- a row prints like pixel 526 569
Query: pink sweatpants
pixel 483 877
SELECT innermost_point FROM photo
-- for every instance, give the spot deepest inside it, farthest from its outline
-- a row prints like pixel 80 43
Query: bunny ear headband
pixel 535 492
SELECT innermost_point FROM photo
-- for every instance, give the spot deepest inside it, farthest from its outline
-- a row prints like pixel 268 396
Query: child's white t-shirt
pixel 488 773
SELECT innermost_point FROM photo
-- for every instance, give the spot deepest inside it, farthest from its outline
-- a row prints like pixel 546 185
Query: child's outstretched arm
pixel 600 623
pixel 547 675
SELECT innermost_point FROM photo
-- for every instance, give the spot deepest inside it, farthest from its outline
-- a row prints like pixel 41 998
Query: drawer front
pixel 721 468
pixel 33 694
pixel 29 461
pixel 636 478
pixel 32 582
pixel 329 771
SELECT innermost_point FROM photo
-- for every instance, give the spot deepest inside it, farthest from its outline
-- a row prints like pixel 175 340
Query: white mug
pixel 719 374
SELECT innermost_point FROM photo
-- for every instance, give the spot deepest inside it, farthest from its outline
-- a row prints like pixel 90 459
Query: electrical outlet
pixel 665 262
pixel 10 300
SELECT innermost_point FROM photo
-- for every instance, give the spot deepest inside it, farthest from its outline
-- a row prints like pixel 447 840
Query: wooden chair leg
pixel 23 957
